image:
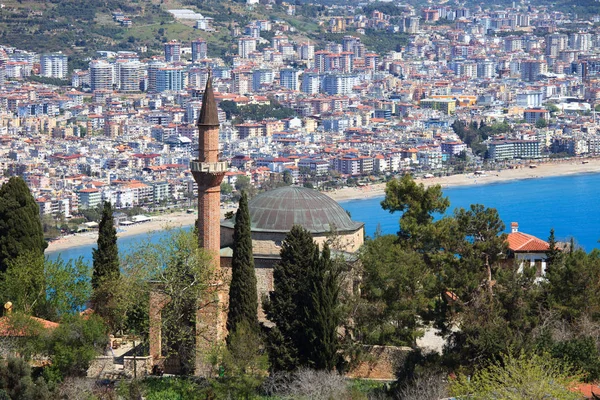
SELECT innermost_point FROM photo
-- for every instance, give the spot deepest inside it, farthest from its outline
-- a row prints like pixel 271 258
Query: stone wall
pixel 269 243
pixel 101 365
pixel 143 364
pixel 263 268
pixel 158 301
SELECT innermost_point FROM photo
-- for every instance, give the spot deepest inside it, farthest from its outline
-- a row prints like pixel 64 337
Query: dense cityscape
pixel 123 129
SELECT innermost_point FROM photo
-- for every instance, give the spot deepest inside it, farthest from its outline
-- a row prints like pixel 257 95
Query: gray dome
pixel 279 209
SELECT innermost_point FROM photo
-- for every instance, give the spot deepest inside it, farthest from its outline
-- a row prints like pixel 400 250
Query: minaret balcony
pixel 209 168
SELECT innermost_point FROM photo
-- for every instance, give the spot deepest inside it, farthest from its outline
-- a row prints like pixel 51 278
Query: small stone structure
pixel 101 365
pixel 143 366
pixel 380 362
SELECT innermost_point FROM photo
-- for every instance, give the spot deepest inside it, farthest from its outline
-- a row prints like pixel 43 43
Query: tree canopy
pixel 106 270
pixel 520 377
pixel 106 255
pixel 243 297
pixel 20 225
pixel 303 306
pixel 397 290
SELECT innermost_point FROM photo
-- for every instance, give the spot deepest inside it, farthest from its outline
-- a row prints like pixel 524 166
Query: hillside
pixel 81 27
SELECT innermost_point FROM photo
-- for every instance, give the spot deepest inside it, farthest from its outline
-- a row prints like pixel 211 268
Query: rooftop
pixel 523 242
pixel 280 209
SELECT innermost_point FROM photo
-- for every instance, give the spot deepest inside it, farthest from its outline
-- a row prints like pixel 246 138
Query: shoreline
pixel 158 223
pixel 542 170
pixel 182 219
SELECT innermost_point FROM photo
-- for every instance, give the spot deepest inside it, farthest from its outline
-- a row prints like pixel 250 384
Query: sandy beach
pixel 182 219
pixel 173 220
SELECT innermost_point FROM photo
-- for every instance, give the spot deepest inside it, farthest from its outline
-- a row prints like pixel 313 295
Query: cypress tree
pixel 322 313
pixel 287 302
pixel 553 254
pixel 106 273
pixel 20 224
pixel 106 256
pixel 243 297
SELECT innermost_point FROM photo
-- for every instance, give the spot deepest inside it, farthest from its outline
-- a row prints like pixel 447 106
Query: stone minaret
pixel 208 173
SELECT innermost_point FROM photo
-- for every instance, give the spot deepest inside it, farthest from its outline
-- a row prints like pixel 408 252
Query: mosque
pixel 272 214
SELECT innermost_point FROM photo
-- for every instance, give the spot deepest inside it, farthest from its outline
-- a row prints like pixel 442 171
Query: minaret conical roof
pixel 208 112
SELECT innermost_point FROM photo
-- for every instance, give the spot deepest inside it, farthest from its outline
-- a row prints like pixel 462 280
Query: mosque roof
pixel 279 209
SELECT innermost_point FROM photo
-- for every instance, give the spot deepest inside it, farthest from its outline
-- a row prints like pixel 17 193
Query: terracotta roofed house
pixel 524 247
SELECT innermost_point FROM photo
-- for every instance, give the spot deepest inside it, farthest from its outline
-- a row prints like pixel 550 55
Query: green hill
pixel 79 28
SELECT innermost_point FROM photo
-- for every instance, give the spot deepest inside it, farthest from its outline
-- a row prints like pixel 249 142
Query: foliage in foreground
pixel 106 270
pixel 243 364
pixel 243 298
pixel 299 385
pixel 74 344
pixel 63 288
pixel 521 377
pixel 304 306
pixel 20 224
pixel 16 382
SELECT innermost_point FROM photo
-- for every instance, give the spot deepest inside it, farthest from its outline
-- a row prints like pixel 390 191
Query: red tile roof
pixel 588 390
pixel 522 242
pixel 7 328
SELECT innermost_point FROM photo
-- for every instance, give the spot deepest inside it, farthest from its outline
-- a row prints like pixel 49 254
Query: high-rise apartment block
pixel 197 77
pixel 246 45
pixel 170 79
pixel 306 51
pixel 54 66
pixel 199 50
pixel 531 69
pixel 129 74
pixel 261 77
pixel 335 84
pixel 289 78
pixel 173 51
pixel 311 83
pixel 555 43
pixel 152 69
pixel 410 25
pixel 101 75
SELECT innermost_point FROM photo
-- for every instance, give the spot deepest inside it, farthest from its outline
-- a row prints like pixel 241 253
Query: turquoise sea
pixel 569 204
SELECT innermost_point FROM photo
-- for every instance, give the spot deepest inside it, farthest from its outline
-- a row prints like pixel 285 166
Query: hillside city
pixel 265 199
pixel 124 128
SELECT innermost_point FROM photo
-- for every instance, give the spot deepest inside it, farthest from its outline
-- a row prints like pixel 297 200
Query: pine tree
pixel 287 302
pixel 322 313
pixel 243 297
pixel 106 256
pixel 20 224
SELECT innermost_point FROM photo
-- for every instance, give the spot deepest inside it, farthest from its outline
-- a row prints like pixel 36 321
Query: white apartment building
pixel 246 45
pixel 101 75
pixel 54 66
pixel 129 74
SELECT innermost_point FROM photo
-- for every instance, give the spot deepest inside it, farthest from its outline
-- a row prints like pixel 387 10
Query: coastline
pixel 158 223
pixel 542 170
pixel 182 219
